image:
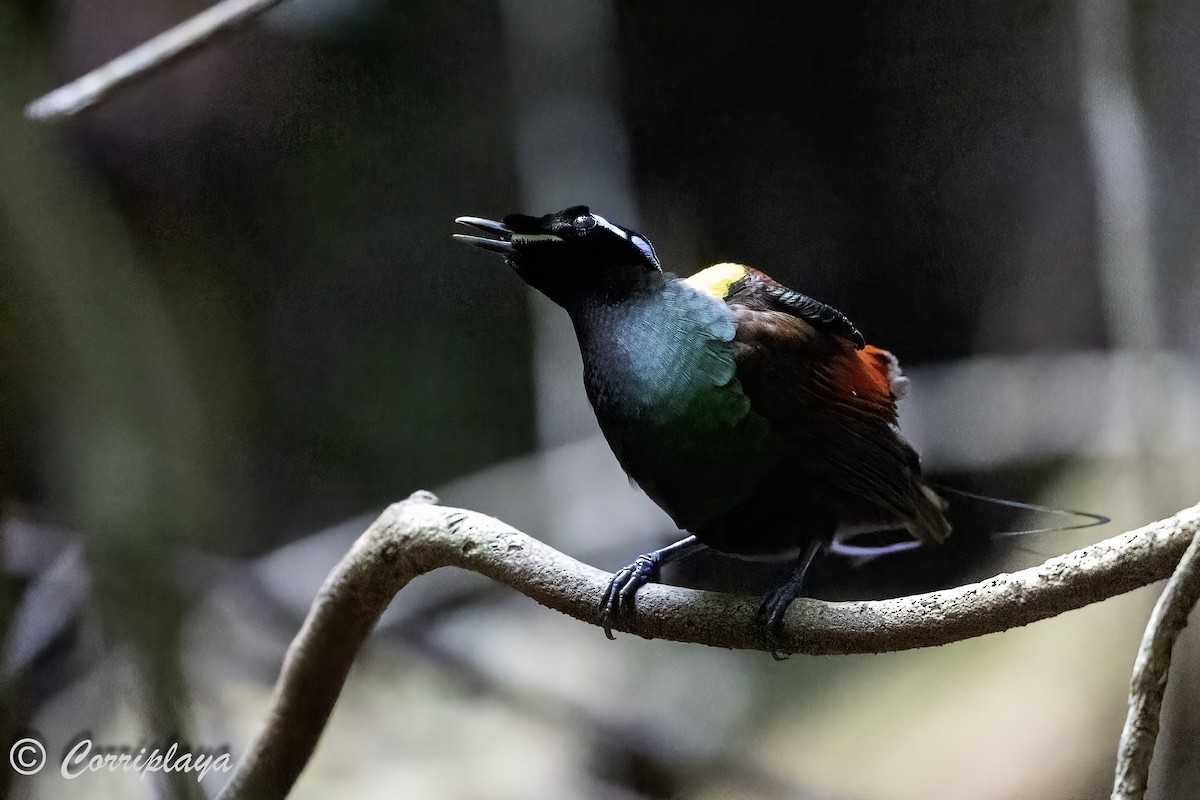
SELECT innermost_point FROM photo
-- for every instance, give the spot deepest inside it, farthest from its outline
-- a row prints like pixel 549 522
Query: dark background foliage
pixel 231 316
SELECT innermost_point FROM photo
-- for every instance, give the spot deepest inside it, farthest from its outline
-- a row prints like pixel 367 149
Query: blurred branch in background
pixel 1129 276
pixel 994 410
pixel 123 434
pixel 571 147
pixel 1113 120
pixel 145 59
pixel 639 741
pixel 417 536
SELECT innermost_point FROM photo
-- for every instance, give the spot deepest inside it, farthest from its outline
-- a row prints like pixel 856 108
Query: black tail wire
pixel 1089 520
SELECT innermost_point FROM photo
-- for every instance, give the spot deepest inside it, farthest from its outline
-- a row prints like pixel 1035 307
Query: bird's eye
pixel 584 222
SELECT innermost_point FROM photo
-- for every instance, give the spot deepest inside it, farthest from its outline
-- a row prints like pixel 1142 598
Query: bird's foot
pixel 618 597
pixel 774 606
pixel 770 616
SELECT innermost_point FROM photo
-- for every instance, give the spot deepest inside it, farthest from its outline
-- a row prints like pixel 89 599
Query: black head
pixel 571 255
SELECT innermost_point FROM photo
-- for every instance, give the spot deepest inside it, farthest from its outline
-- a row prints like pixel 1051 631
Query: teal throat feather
pixel 661 376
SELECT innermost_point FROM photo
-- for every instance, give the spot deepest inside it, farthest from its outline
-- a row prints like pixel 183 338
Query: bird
pixel 757 417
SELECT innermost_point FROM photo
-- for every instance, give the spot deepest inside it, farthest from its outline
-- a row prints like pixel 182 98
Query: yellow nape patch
pixel 717 279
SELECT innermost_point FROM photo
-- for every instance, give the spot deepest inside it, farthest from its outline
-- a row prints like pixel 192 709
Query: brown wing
pixel 834 401
pixel 759 289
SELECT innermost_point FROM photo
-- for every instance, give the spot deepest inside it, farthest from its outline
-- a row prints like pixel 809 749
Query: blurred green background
pixel 233 326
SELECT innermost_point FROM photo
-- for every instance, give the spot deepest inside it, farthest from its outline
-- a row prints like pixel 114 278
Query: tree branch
pixel 417 536
pixel 1149 681
pixel 144 59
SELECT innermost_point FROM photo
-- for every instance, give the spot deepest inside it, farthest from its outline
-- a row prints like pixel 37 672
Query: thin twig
pixel 1149 681
pixel 417 536
pixel 145 59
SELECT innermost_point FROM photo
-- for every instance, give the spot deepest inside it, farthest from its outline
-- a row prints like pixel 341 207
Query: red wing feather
pixel 836 405
pixel 862 376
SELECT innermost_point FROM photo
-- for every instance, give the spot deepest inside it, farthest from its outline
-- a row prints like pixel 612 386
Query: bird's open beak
pixel 502 244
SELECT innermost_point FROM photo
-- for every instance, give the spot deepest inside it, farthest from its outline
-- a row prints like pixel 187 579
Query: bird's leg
pixel 775 604
pixel 618 597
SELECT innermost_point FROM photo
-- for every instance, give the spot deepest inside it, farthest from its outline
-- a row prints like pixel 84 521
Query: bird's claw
pixel 618 597
pixel 770 616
